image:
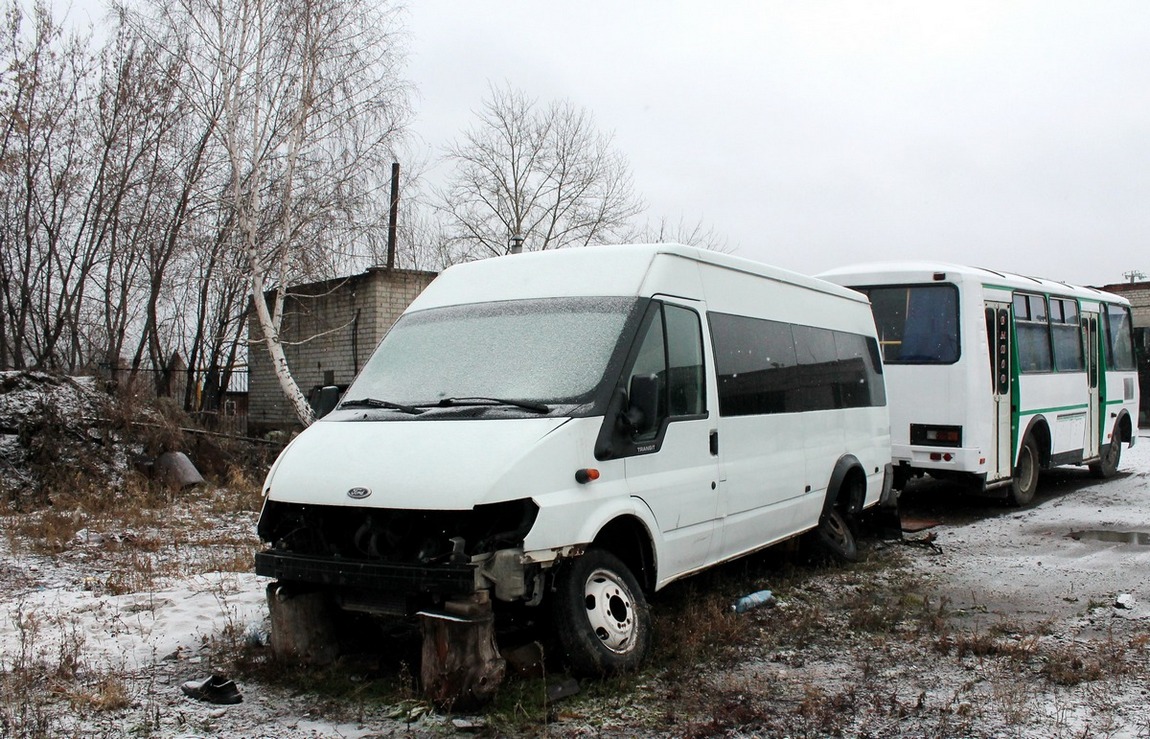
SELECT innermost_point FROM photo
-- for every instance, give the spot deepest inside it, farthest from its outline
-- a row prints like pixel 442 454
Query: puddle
pixel 1112 537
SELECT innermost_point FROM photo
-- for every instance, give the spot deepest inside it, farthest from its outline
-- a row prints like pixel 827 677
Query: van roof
pixel 619 269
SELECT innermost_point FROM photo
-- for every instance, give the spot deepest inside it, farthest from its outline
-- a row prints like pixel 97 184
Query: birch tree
pixel 310 101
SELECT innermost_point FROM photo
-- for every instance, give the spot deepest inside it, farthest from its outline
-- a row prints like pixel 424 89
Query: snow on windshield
pixel 552 350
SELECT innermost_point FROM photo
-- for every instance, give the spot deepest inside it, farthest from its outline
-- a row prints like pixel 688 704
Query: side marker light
pixel 586 475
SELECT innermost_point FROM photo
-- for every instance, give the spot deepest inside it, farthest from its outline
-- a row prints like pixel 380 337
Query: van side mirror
pixel 643 405
pixel 325 400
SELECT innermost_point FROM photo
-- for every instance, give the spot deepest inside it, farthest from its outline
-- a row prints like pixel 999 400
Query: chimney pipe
pixel 393 217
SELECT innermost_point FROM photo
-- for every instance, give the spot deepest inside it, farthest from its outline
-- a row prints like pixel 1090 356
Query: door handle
pixel 714 443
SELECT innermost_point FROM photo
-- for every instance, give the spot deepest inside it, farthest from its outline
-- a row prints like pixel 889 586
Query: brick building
pixel 1138 293
pixel 329 330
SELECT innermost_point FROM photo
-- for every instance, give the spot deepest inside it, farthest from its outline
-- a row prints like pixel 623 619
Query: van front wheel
pixel 601 615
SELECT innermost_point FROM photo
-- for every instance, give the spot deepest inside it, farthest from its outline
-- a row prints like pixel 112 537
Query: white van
pixel 578 428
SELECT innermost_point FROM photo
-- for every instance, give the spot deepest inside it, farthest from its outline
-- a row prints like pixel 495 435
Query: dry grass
pixel 850 650
pixel 129 533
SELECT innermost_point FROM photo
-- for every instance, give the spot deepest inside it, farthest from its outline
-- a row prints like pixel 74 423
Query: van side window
pixel 672 351
pixel 768 367
pixel 686 391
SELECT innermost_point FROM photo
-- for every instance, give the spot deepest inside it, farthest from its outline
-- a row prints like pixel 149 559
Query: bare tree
pixel 679 232
pixel 46 194
pixel 540 176
pixel 303 100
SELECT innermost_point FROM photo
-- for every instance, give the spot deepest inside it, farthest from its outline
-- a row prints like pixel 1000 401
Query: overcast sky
pixel 1011 135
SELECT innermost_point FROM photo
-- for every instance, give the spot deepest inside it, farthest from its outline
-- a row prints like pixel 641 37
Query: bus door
pixel 1000 459
pixel 1093 367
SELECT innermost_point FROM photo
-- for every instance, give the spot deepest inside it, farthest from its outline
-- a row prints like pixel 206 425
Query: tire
pixel 1107 465
pixel 1025 481
pixel 833 538
pixel 601 616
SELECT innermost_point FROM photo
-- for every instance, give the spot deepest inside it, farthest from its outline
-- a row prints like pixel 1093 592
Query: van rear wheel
pixel 601 615
pixel 833 537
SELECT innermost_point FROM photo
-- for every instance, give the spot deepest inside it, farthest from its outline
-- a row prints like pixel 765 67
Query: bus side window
pixel 1033 331
pixel 1119 338
pixel 1067 336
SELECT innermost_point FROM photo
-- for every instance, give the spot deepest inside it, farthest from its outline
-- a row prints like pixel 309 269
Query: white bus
pixel 994 376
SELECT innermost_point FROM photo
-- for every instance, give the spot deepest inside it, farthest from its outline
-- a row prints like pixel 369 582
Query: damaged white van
pixel 577 428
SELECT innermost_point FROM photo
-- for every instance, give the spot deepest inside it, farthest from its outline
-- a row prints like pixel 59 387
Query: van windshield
pixel 554 351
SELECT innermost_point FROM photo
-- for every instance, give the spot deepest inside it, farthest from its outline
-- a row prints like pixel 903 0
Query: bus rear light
pixel 927 435
pixel 941 456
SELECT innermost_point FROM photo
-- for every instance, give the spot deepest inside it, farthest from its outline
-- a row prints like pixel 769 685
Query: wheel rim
pixel 835 529
pixel 610 610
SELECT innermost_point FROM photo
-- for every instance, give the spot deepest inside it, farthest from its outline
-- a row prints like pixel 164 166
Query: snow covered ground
pixel 1072 572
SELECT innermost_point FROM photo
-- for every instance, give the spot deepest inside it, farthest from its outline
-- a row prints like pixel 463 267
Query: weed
pixel 1071 665
pixel 108 692
pixel 981 644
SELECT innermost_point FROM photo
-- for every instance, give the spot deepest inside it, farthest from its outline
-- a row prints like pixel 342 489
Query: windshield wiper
pixel 528 405
pixel 376 403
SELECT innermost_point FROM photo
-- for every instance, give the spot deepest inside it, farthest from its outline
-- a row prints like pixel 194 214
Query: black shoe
pixel 216 689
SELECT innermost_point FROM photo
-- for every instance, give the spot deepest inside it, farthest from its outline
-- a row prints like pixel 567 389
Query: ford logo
pixel 358 493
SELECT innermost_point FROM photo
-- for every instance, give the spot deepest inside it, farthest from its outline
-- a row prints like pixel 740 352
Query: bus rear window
pixel 917 324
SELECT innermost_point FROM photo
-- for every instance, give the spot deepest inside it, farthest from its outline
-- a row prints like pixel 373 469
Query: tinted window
pixel 772 367
pixel 672 351
pixel 685 386
pixel 917 324
pixel 755 363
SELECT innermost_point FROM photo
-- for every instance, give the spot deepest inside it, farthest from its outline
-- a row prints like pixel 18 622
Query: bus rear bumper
pixel 941 459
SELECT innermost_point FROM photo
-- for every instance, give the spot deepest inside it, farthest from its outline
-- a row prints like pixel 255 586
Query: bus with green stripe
pixel 993 377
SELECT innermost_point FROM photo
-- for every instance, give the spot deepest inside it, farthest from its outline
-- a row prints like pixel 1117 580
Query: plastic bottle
pixel 754 600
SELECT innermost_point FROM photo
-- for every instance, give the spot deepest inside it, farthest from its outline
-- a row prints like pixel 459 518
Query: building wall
pixel 1138 293
pixel 330 329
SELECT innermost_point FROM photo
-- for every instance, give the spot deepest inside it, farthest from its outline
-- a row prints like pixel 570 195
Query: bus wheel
pixel 1025 481
pixel 1107 466
pixel 834 539
pixel 601 615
